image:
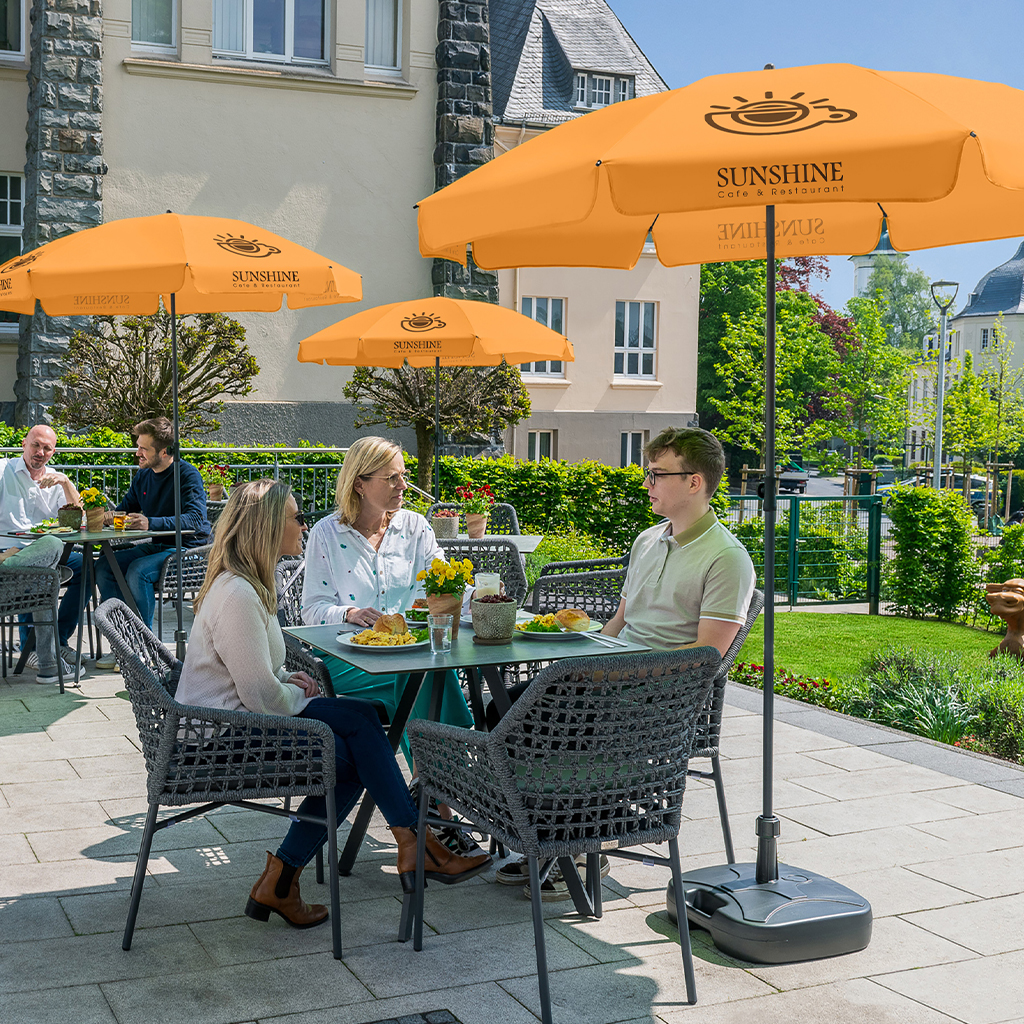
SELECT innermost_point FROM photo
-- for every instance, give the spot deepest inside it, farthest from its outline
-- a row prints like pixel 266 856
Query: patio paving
pixel 933 837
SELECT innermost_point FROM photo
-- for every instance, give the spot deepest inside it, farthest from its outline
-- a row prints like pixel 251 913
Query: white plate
pixel 565 634
pixel 345 640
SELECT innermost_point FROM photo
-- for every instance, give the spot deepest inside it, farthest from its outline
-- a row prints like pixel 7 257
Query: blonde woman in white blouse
pixel 362 562
pixel 236 659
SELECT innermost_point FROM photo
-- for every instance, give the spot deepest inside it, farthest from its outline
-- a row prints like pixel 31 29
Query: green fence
pixel 827 550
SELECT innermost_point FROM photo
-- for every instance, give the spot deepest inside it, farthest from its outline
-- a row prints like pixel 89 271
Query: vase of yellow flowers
pixel 94 501
pixel 445 584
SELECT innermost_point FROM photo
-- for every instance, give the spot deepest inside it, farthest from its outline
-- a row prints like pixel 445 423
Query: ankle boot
pixel 441 864
pixel 264 897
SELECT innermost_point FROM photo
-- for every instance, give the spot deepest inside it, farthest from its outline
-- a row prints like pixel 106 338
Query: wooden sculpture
pixel 1006 600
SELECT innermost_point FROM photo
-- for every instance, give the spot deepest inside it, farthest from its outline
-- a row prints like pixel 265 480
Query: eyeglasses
pixel 299 518
pixel 651 477
pixel 392 480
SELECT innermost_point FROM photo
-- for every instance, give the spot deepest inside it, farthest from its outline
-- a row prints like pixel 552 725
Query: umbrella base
pixel 800 916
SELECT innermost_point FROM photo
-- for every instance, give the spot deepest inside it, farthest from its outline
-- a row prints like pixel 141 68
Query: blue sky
pixel 687 40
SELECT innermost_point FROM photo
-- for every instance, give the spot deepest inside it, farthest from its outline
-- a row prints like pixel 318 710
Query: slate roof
pixel 1000 290
pixel 537 46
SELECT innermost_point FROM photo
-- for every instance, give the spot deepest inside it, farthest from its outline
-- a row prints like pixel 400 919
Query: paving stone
pixel 952 762
pixel 893 778
pixel 44 818
pixel 15 849
pixel 853 815
pixel 982 833
pixel 852 759
pixel 82 1004
pixel 109 765
pixel 985 926
pixel 978 799
pixel 892 891
pixel 115 840
pixel 75 876
pixel 24 919
pixel 73 790
pixel 33 771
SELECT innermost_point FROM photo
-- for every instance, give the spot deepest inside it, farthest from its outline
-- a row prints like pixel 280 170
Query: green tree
pixel 904 293
pixel 472 399
pixel 118 371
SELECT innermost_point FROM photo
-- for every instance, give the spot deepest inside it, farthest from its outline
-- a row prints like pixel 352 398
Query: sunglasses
pixel 300 518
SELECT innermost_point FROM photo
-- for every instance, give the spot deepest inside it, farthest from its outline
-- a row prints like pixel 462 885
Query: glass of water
pixel 440 628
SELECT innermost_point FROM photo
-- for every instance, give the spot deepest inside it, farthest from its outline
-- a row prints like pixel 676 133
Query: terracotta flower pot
pixel 216 492
pixel 476 524
pixel 445 527
pixel 494 620
pixel 446 604
pixel 94 519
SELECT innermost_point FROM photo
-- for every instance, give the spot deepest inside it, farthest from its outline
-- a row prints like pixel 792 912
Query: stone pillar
pixel 63 171
pixel 465 125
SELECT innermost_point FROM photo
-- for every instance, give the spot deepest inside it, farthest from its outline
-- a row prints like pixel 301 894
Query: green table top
pixel 464 653
pixel 97 536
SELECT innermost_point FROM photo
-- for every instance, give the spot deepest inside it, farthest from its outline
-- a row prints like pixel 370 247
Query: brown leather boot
pixel 264 897
pixel 441 864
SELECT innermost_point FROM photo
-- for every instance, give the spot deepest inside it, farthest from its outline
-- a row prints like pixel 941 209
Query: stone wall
pixel 63 171
pixel 465 126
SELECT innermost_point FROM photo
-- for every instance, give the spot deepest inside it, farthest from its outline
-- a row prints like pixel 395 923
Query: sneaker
pixel 108 662
pixel 515 872
pixel 32 661
pixel 69 675
pixel 69 655
pixel 458 841
pixel 554 888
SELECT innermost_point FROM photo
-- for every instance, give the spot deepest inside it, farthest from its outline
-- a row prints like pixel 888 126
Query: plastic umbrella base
pixel 800 916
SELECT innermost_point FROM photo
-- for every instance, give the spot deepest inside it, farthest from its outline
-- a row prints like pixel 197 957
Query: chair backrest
pixel 289 575
pixel 501 519
pixel 586 565
pixel 597 593
pixel 570 768
pixel 192 568
pixel 500 556
pixel 31 589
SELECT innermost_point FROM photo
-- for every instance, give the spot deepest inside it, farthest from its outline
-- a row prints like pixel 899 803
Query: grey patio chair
pixel 597 592
pixel 586 565
pixel 34 591
pixel 500 556
pixel 591 759
pixel 211 757
pixel 289 575
pixel 501 519
pixel 193 571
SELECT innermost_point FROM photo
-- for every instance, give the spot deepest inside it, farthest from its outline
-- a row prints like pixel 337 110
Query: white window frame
pixel 148 47
pixel 529 305
pixel 984 337
pixel 386 69
pixel 248 53
pixel 625 349
pixel 623 89
pixel 631 447
pixel 534 443
pixel 581 90
pixel 585 88
pixel 18 55
pixel 12 231
pixel 603 86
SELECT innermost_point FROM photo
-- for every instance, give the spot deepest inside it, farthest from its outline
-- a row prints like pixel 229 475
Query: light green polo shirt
pixel 673 582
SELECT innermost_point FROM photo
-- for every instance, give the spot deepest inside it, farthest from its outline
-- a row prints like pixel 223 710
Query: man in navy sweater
pixel 150 506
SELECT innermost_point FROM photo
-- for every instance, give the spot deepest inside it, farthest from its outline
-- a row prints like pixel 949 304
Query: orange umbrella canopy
pixel 210 264
pixel 834 147
pixel 459 332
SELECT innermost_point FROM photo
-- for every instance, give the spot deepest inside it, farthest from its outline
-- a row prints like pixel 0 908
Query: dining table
pixel 526 542
pixel 483 663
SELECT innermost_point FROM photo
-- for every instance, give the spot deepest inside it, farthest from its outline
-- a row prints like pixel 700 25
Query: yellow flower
pixel 421 575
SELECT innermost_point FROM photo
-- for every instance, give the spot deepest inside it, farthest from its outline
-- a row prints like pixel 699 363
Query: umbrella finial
pixel 767 67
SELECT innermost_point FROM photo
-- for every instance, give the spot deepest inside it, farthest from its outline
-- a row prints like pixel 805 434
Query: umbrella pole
pixel 437 428
pixel 179 634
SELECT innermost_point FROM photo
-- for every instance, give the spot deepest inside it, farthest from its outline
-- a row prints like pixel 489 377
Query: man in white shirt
pixel 31 492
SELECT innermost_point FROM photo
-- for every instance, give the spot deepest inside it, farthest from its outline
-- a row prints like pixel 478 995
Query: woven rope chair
pixel 591 759
pixel 193 572
pixel 598 592
pixel 212 757
pixel 500 556
pixel 501 519
pixel 32 590
pixel 289 576
pixel 585 565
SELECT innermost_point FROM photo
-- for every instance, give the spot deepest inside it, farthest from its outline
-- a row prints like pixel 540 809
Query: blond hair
pixel 247 538
pixel 364 458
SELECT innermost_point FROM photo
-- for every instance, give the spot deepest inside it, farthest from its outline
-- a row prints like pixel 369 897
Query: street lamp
pixel 943 305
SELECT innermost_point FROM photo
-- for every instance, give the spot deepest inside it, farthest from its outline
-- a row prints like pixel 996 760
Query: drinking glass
pixel 487 583
pixel 120 520
pixel 440 628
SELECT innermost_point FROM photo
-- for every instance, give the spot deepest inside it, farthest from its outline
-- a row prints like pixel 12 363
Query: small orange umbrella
pixel 425 332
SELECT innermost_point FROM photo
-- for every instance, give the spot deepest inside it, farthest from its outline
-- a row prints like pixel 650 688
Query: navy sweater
pixel 152 494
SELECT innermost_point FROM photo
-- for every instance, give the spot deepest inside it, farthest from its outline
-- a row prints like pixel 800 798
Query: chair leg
pixel 320 866
pixel 421 879
pixel 594 882
pixel 683 922
pixel 140 875
pixel 538 941
pixel 723 813
pixel 332 861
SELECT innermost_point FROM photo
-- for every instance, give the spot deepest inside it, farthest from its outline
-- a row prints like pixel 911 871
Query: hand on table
pixel 137 521
pixel 306 683
pixel 364 617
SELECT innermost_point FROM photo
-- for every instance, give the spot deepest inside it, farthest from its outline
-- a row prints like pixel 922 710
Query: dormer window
pixel 596 90
pixel 600 91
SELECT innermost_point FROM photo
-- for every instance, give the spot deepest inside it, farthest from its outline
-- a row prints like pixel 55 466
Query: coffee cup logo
pixel 776 117
pixel 20 261
pixel 419 322
pixel 242 246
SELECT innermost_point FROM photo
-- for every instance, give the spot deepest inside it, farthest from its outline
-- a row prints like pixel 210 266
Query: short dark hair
pixel 698 450
pixel 161 429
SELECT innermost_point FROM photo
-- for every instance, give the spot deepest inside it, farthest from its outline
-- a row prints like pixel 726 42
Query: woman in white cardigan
pixel 236 660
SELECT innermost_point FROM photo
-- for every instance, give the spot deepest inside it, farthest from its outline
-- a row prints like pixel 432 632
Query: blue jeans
pixel 67 614
pixel 43 553
pixel 141 565
pixel 363 760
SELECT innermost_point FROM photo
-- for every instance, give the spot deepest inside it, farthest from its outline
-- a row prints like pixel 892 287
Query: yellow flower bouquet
pixel 447 577
pixel 93 497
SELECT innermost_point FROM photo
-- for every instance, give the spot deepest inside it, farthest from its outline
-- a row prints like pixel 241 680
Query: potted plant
pixel 494 617
pixel 445 524
pixel 477 506
pixel 216 478
pixel 444 584
pixel 70 515
pixel 94 501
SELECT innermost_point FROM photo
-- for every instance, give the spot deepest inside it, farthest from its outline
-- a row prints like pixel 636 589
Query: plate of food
pixel 49 526
pixel 389 633
pixel 567 624
pixel 415 614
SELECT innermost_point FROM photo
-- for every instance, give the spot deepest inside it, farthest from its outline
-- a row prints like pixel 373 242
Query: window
pixel 271 30
pixel 984 337
pixel 594 91
pixel 632 447
pixel 540 444
pixel 550 313
pixel 623 89
pixel 12 205
pixel 383 32
pixel 635 334
pixel 153 23
pixel 581 90
pixel 12 28
pixel 600 91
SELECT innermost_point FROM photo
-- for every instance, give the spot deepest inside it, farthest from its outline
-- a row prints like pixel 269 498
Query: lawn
pixel 836 645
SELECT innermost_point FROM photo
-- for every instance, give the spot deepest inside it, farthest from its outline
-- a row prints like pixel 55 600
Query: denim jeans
pixel 363 760
pixel 42 553
pixel 141 565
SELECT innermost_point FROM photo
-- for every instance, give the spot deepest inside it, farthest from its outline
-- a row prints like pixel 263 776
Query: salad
pixel 540 624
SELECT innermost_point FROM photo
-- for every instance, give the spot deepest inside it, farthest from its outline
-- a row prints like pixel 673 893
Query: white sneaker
pixel 32 661
pixel 70 655
pixel 108 662
pixel 69 675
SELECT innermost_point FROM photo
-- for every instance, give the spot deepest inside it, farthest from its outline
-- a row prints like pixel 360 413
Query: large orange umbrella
pixel 795 161
pixel 195 264
pixel 437 331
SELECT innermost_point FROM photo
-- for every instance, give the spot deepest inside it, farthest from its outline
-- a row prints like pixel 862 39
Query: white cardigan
pixel 236 653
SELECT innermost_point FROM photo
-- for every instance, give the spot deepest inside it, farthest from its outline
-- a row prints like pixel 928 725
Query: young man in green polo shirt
pixel 689 581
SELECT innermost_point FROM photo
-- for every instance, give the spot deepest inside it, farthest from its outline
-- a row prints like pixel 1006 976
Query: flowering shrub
pixel 476 502
pixel 447 577
pixel 806 688
pixel 216 475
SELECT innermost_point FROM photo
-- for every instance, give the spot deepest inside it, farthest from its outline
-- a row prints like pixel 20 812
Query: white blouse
pixel 344 571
